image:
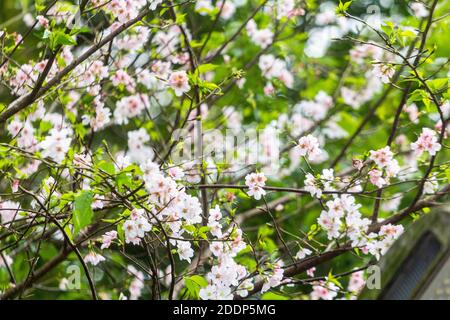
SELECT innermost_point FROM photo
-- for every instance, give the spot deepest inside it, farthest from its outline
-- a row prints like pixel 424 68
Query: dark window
pixel 414 269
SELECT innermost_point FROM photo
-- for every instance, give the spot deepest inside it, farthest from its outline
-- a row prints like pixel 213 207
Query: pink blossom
pixel 427 142
pixel 42 21
pixel 382 157
pixel 93 258
pixel 324 290
pixel 108 238
pixel 256 182
pixel 309 146
pixel 376 178
pixel 383 71
pixel 302 253
pixel 310 271
pixel 9 211
pixel 357 282
pixel 413 112
pixel 419 9
pixel 179 82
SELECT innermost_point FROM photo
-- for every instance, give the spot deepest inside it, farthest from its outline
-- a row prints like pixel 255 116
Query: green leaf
pixel 421 95
pixel 194 284
pixel 121 232
pixel 59 38
pixel 347 5
pixel 83 29
pixel 437 85
pixel 447 174
pixel 68 232
pixel 332 279
pixel 273 296
pixel 64 39
pixel 348 122
pixel 189 228
pixel 124 179
pixel 181 18
pixel 82 211
pixel 388 28
pixel 44 126
pixel 342 7
pixel 107 167
pixel 39 5
pixel 407 33
pixel 199 280
pixel 206 67
pixel 196 44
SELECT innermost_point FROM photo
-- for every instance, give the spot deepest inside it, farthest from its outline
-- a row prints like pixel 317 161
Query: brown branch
pixel 25 100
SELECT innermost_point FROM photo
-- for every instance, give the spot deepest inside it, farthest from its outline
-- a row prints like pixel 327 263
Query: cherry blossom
pixel 275 278
pixel 256 182
pixel 413 112
pixel 383 72
pixel 228 9
pixel 42 21
pixel 419 9
pixel 154 4
pixel 356 282
pixel 427 142
pixel 316 186
pixel 129 107
pixel 324 290
pixel 136 227
pixel 93 258
pixel 107 239
pixel 302 253
pixel 310 272
pixel 376 178
pixel 179 82
pixel 9 211
pixel 185 251
pixel 382 157
pixel 309 146
pixel 56 144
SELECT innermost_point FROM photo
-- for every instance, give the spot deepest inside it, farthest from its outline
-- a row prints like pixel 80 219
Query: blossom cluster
pixel 256 182
pixel 427 142
pixel 272 67
pixel 342 219
pixel 384 159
